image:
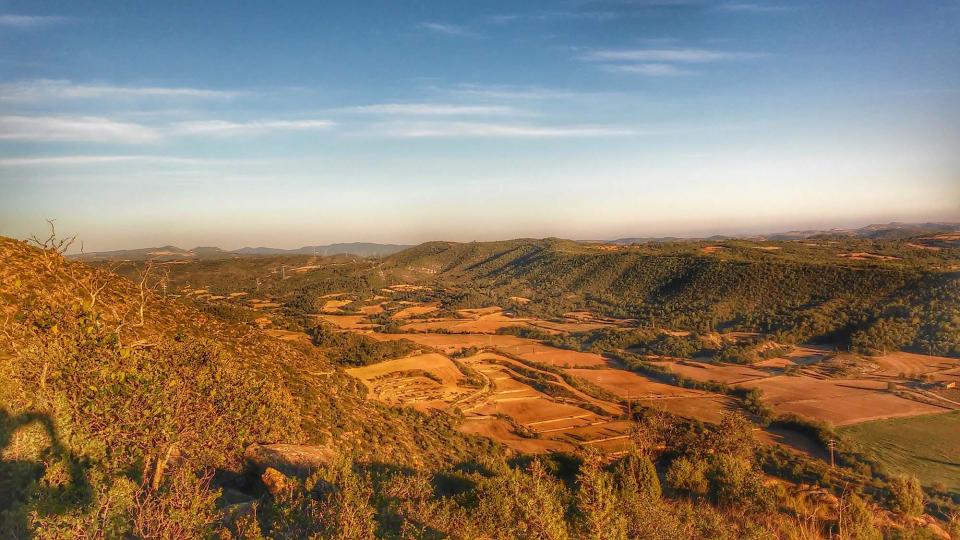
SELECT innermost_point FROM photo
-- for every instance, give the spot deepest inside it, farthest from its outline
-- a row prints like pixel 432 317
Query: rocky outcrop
pixel 289 459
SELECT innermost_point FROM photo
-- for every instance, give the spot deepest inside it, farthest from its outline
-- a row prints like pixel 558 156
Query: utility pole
pixel 832 443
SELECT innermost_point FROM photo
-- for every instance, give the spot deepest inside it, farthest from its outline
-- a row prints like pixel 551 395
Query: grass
pixel 926 446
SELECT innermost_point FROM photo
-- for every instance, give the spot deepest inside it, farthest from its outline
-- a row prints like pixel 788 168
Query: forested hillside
pixel 901 297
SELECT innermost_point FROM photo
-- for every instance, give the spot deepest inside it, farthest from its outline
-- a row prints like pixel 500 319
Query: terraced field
pixel 532 409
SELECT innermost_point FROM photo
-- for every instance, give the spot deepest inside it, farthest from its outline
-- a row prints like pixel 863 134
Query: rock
pixel 289 459
pixel 275 481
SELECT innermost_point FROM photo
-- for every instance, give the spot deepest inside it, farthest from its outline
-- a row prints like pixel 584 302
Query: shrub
pixel 638 478
pixel 906 495
pixel 597 504
pixel 856 521
pixel 688 476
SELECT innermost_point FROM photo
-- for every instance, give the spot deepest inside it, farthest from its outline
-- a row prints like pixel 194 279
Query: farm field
pixel 724 373
pixel 506 407
pixel 333 306
pixel 627 384
pixel 510 408
pixel 414 311
pixel 904 364
pixel 708 408
pixel 528 349
pixel 808 354
pixel 422 381
pixel 469 323
pixel 926 446
pixel 838 401
pixel 347 322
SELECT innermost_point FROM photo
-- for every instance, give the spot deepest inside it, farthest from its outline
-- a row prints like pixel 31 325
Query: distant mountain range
pixel 880 231
pixel 361 249
pixel 885 231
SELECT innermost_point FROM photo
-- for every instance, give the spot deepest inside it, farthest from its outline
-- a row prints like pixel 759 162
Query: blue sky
pixel 291 123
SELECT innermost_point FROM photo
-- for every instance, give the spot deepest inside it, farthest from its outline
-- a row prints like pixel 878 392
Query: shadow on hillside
pixel 21 480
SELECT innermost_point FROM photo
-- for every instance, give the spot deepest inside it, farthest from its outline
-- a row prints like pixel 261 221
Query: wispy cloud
pixel 222 128
pixel 551 16
pixel 74 128
pixel 498 130
pixel 98 160
pixel 660 62
pixel 649 70
pixel 507 92
pixel 752 7
pixel 9 20
pixel 448 29
pixel 436 109
pixel 663 55
pixel 105 130
pixel 42 90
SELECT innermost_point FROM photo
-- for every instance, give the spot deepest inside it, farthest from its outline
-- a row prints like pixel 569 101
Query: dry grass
pixel 840 402
pixel 525 348
pixel 911 365
pixel 404 382
pixel 333 306
pixel 628 384
pixel 414 311
pixel 437 364
pixel 347 322
pixel 710 408
pixel 724 373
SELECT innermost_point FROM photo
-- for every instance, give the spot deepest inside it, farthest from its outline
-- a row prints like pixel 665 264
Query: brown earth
pixel 837 401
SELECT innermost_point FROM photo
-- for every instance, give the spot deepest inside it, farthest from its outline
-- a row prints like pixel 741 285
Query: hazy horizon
pixel 286 243
pixel 296 123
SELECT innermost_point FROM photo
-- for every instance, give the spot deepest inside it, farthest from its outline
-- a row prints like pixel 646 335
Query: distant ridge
pixel 880 231
pixel 363 249
pixel 360 249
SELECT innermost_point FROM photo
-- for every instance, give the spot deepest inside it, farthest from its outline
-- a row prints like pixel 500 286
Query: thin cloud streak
pixel 664 55
pixel 43 90
pixel 649 70
pixel 752 7
pixel 448 29
pixel 221 128
pixel 98 160
pixel 512 92
pixel 95 129
pixel 74 128
pixel 10 20
pixel 495 130
pixel 435 109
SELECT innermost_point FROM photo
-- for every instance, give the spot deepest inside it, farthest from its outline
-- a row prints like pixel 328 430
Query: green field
pixel 927 447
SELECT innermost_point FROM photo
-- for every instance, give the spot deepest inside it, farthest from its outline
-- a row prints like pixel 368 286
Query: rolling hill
pixel 131 412
pixel 169 253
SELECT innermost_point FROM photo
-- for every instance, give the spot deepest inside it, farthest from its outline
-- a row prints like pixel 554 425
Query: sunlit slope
pixel 805 290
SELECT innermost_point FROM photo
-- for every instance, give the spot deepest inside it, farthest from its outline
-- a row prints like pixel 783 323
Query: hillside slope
pixel 125 414
pixel 108 392
pixel 803 292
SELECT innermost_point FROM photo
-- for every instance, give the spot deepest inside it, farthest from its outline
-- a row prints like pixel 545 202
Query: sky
pixel 290 123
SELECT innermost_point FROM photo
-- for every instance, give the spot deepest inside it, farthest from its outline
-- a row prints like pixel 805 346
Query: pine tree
pixel 598 506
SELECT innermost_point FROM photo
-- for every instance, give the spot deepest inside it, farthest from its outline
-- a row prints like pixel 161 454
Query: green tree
pixel 517 504
pixel 906 495
pixel 637 477
pixel 688 475
pixel 734 436
pixel 597 504
pixel 856 519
